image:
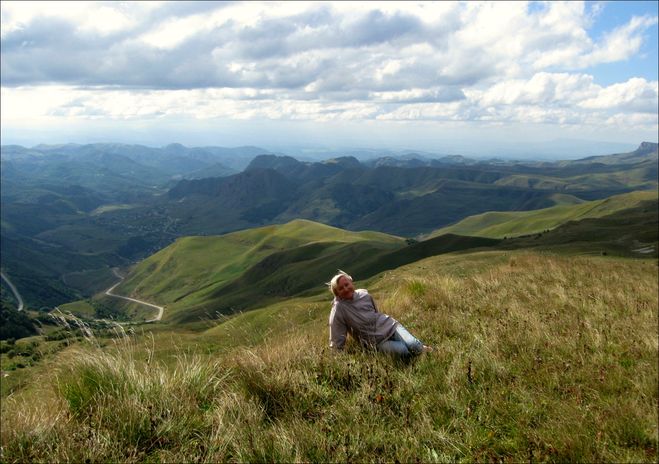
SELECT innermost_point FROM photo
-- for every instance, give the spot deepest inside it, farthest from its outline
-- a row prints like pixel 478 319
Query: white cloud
pixel 621 43
pixel 171 33
pixel 389 46
pixel 637 120
pixel 541 89
pixel 454 111
pixel 636 95
pixel 93 17
pixel 316 61
pixel 23 103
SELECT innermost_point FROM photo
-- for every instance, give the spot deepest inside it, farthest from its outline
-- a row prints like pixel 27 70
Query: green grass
pixel 89 282
pixel 641 177
pixel 192 264
pixel 82 308
pixel 539 357
pixel 23 362
pixel 516 223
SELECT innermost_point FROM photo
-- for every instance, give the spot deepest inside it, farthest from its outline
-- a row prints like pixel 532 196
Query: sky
pixel 474 78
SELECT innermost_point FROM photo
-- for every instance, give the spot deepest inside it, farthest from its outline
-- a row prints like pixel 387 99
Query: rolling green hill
pixel 303 270
pixel 195 266
pixel 203 277
pixel 500 224
pixel 630 232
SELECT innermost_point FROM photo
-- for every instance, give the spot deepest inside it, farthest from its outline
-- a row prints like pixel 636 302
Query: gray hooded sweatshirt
pixel 361 319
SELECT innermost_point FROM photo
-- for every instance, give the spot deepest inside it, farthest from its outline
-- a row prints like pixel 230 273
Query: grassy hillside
pixel 640 176
pixel 305 269
pixel 539 357
pixel 205 277
pixel 202 264
pixel 632 232
pixel 499 224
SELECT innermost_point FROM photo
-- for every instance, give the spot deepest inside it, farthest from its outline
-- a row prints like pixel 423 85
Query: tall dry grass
pixel 538 358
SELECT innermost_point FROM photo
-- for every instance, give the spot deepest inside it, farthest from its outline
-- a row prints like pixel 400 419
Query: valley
pixel 176 239
pixel 70 213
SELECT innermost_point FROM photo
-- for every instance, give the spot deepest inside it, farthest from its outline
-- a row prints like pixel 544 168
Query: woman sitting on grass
pixel 354 312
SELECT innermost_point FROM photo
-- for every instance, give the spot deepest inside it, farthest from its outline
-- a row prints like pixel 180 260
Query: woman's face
pixel 345 289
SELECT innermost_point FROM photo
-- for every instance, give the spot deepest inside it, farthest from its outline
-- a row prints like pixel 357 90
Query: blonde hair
pixel 334 283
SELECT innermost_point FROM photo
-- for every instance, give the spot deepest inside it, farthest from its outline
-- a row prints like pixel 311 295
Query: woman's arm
pixel 373 303
pixel 337 330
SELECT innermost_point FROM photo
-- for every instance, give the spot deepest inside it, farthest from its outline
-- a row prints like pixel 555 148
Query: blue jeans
pixel 402 344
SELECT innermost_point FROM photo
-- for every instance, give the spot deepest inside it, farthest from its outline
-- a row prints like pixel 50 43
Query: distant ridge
pixel 646 151
pixel 500 224
pixel 235 158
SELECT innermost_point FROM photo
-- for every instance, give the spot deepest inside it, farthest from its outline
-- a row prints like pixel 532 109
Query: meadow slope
pixel 500 224
pixel 193 267
pixel 207 277
pixel 539 357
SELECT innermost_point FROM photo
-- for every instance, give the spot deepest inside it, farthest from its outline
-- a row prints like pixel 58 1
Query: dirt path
pixel 17 295
pixel 108 292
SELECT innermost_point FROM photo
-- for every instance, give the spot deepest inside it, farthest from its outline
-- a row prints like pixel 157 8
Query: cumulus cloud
pixel 621 43
pixel 471 61
pixel 546 89
pixel 636 95
pixel 173 44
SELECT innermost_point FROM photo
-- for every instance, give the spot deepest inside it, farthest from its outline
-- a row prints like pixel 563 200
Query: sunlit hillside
pixel 499 224
pixel 193 268
pixel 538 357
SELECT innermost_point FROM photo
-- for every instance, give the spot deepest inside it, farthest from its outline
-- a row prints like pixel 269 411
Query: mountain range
pixel 404 199
pixel 77 210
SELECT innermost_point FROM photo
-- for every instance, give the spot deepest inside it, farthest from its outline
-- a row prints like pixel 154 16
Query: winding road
pixel 108 292
pixel 17 295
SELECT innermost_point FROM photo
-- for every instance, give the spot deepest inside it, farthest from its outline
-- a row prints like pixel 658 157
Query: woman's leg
pixel 413 344
pixel 394 346
pixel 402 343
